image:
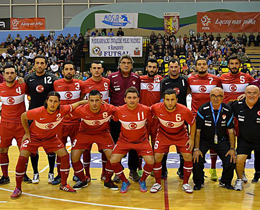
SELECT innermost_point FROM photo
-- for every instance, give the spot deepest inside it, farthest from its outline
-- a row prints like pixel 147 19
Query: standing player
pixel 200 86
pixel 70 92
pixel 173 131
pixel 43 133
pixel 234 84
pixel 12 97
pixel 40 83
pixel 134 118
pixel 176 82
pixel 96 82
pixel 94 128
pixel 120 81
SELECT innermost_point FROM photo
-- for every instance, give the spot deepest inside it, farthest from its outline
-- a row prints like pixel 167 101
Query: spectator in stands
pixel 166 58
pixel 8 40
pixel 54 67
pixel 245 69
pixel 120 32
pixel 258 39
pixel 244 39
pixel 211 70
pixel 151 55
pixel 110 33
pixel 251 39
pixel 153 38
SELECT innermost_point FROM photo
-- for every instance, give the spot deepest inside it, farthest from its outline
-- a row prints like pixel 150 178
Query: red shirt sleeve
pixel 116 114
pixel 32 114
pixel 189 117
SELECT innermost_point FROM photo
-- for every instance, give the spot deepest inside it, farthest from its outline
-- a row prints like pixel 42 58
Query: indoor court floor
pixel 44 196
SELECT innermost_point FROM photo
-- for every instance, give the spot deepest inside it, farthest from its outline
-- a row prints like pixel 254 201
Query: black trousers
pixel 221 149
pixel 132 156
pixel 257 161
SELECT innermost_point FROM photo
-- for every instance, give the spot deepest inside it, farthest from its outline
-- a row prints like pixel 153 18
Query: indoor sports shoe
pixel 103 177
pixel 187 188
pixel 227 186
pixel 80 184
pixel 110 185
pixel 67 188
pixel 88 180
pixel 244 178
pixel 125 186
pixel 198 186
pixel 140 172
pixel 57 180
pixel 50 178
pixel 4 180
pixel 134 175
pixel 26 179
pixel 256 178
pixel 36 179
pixel 156 188
pixel 116 179
pixel 239 185
pixel 213 173
pixel 142 186
pixel 75 178
pixel 16 194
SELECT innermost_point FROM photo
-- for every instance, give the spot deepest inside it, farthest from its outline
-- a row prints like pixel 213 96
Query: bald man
pixel 247 113
pixel 213 120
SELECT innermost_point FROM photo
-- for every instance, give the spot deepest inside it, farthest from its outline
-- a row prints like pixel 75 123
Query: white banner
pixel 116 46
pixel 116 20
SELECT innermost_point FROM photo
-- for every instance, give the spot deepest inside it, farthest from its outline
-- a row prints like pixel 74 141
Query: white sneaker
pixel 156 188
pixel 50 178
pixel 36 179
pixel 239 185
pixel 187 188
pixel 244 178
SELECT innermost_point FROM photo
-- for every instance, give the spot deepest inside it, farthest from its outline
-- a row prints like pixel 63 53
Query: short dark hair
pixel 201 59
pixel 131 90
pixel 234 57
pixel 52 93
pixel 174 61
pixel 69 63
pixel 152 60
pixel 96 62
pixel 41 56
pixel 169 92
pixel 10 66
pixel 94 92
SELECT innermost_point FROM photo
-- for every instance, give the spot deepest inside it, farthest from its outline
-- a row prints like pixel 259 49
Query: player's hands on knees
pixel 196 155
pixel 26 136
pixel 190 143
pixel 232 154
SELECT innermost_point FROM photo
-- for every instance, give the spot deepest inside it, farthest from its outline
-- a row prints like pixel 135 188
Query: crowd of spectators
pixel 188 49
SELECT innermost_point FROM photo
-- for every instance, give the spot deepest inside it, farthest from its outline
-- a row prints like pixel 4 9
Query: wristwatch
pixel 196 149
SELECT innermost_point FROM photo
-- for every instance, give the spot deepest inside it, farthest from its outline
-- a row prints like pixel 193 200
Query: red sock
pixel 157 169
pixel 187 169
pixel 147 171
pixel 86 162
pixel 4 162
pixel 79 170
pixel 214 157
pixel 140 162
pixel 20 171
pixel 109 171
pixel 119 171
pixel 64 168
pixel 104 162
pixel 58 166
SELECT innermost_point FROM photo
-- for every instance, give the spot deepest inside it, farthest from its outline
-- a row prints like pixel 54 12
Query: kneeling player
pixel 134 118
pixel 93 129
pixel 43 133
pixel 173 131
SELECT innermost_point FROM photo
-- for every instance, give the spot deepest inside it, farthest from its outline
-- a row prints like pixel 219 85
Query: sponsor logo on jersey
pixel 150 86
pixel 68 95
pixel 177 90
pixel 39 88
pixel 132 125
pixel 10 100
pixel 202 88
pixel 232 87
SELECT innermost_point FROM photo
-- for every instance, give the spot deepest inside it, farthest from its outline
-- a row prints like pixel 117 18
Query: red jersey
pixel 200 89
pixel 70 93
pixel 102 86
pixel 12 101
pixel 234 85
pixel 133 122
pixel 95 123
pixel 45 125
pixel 171 124
pixel 150 90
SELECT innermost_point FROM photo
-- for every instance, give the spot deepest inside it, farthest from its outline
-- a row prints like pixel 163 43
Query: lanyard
pixel 214 117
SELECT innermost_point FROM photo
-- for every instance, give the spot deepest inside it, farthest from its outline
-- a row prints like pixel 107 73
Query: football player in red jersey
pixel 135 118
pixel 102 84
pixel 94 128
pixel 70 90
pixel 200 85
pixel 173 131
pixel 12 97
pixel 43 133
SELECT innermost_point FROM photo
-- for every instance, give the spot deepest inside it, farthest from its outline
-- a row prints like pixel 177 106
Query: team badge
pixel 169 124
pixel 224 116
pixel 133 82
pixel 233 88
pixel 10 100
pixel 177 90
pixel 68 95
pixel 202 88
pixel 150 87
pixel 132 126
pixel 105 115
pixel 96 122
pixel 49 126
pixel 39 88
pixel 258 113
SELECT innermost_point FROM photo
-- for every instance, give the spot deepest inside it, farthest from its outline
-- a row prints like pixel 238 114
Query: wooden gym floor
pixel 43 196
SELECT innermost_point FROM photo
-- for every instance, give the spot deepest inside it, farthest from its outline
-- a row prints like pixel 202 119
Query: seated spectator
pixel 258 39
pixel 211 70
pixel 8 40
pixel 245 69
pixel 251 39
pixel 153 37
pixel 166 58
pixel 244 39
pixel 120 32
pixel 54 67
pixel 110 33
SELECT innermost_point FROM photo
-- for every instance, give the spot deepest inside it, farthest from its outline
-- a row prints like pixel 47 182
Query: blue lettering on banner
pixel 116 20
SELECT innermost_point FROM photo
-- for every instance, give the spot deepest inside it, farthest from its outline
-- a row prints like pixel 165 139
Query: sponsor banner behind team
pixel 171 22
pixel 228 22
pixel 4 23
pixel 27 23
pixel 116 20
pixel 115 46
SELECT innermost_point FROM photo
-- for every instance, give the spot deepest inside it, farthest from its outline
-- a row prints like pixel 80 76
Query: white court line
pixel 79 202
pixel 3 201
